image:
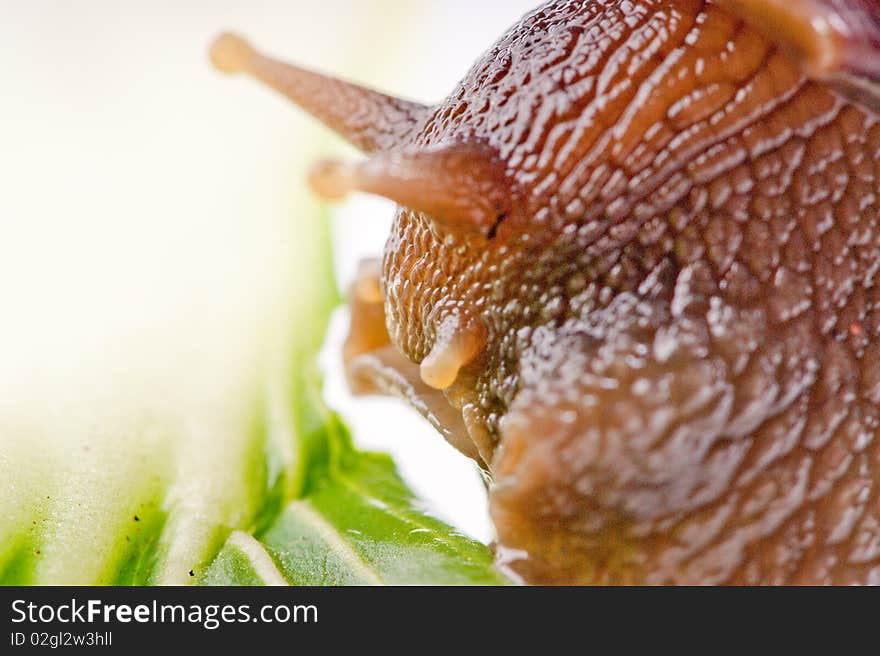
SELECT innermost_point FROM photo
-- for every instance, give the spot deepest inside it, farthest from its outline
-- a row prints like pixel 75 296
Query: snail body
pixel 634 275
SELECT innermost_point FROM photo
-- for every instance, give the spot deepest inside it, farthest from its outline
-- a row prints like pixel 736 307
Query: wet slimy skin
pixel 634 275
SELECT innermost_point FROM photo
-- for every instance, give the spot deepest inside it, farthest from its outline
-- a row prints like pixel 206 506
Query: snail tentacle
pixel 369 120
pixel 461 186
pixel 834 41
pixel 458 342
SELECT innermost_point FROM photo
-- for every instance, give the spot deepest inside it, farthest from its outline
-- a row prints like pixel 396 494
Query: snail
pixel 635 275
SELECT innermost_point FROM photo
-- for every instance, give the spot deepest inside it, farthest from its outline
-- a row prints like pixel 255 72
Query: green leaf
pixel 356 524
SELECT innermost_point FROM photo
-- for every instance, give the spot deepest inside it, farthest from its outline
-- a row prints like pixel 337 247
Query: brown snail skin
pixel 635 275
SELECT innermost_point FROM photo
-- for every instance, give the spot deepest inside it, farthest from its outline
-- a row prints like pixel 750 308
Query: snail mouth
pixel 386 371
pixel 374 365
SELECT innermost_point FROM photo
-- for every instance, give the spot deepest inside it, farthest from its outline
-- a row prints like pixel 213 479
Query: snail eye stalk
pixel 463 187
pixel 369 120
pixel 834 41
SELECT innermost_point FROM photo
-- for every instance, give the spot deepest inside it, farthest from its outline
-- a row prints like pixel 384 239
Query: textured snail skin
pixel 669 330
